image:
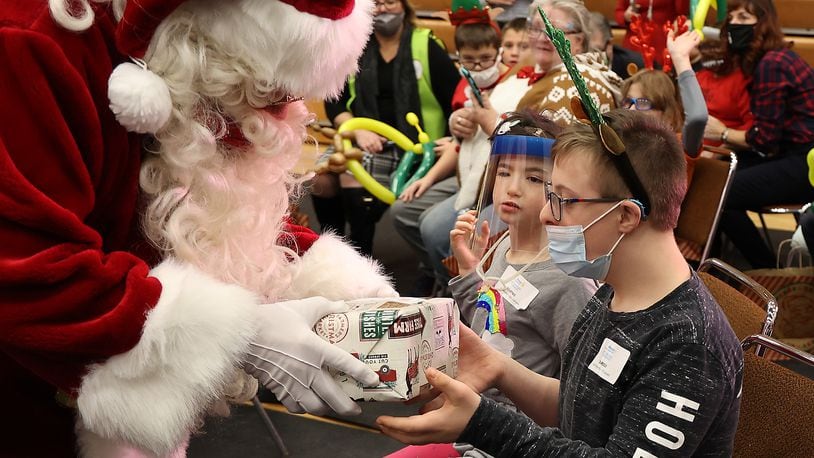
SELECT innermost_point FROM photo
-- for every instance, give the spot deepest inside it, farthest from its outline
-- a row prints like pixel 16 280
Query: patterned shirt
pixel 782 102
pixel 664 381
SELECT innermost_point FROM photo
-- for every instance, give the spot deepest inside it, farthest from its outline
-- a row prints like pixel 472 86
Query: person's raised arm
pixel 695 107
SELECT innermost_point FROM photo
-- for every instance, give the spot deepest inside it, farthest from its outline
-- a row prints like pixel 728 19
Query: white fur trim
pixel 139 98
pixel 192 342
pixel 304 55
pixel 333 269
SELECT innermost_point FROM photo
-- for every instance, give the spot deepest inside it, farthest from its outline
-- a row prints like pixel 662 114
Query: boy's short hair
pixel 517 24
pixel 477 35
pixel 654 151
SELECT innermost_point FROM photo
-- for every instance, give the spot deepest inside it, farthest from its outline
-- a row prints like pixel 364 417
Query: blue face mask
pixel 567 247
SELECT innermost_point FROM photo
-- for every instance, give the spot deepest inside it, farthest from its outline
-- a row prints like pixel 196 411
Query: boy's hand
pixel 459 238
pixel 479 367
pixel 445 417
pixel 485 116
pixel 416 189
pixel 369 141
pixel 438 426
pixel 462 123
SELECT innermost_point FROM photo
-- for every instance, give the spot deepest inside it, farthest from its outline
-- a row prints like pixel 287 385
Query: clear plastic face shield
pixel 508 231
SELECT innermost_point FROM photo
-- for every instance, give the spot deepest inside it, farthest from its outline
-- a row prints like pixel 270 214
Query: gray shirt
pixel 539 333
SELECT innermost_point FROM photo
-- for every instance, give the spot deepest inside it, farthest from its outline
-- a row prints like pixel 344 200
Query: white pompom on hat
pixel 139 98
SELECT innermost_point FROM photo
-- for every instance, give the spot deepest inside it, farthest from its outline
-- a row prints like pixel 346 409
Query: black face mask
pixel 740 36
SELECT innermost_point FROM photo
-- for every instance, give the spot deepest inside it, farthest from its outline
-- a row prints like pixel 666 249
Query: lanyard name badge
pixel 511 287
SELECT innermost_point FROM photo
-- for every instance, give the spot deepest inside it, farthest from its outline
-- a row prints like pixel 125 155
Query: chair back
pixel 703 204
pixel 442 29
pixel 777 405
pixel 746 316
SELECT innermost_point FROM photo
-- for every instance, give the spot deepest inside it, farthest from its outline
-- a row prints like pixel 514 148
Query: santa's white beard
pixel 230 219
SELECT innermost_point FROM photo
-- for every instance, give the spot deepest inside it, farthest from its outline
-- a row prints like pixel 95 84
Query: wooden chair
pixel 442 28
pixel 777 404
pixel 431 5
pixel 745 316
pixel 703 204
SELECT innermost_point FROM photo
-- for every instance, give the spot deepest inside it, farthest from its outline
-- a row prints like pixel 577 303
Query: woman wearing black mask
pixel 772 169
pixel 403 69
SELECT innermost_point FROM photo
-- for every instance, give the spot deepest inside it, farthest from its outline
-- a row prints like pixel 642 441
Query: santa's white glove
pixel 291 360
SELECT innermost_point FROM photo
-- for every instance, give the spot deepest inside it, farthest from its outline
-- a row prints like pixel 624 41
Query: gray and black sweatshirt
pixel 664 381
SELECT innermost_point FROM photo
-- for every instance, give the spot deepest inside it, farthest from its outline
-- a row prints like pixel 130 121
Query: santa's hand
pixel 291 360
pixel 443 425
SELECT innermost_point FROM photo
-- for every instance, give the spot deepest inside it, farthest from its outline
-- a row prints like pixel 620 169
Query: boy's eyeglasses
pixel 641 103
pixel 481 62
pixel 555 202
pixel 386 4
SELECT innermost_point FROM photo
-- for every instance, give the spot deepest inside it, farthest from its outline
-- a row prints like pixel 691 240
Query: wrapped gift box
pixel 398 338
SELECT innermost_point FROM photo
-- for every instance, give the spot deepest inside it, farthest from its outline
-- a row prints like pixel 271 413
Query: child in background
pixel 479 51
pixel 477 39
pixel 537 325
pixel 515 43
pixel 654 93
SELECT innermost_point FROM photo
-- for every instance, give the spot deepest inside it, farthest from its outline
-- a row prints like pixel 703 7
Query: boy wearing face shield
pixel 652 367
pixel 535 302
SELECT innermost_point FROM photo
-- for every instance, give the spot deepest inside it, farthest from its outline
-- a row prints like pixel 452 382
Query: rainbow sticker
pixel 489 299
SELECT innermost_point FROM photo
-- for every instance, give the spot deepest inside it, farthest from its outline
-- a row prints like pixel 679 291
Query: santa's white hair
pixel 217 206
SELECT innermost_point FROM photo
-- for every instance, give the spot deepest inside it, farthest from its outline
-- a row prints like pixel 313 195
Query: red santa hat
pixel 141 99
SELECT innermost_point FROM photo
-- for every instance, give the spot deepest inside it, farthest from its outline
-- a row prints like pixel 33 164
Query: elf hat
pixel 471 12
pixel 139 98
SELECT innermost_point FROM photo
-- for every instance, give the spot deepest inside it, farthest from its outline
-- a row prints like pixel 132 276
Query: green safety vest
pixel 432 115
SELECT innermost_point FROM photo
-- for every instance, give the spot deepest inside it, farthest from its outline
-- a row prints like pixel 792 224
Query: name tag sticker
pixel 610 361
pixel 517 291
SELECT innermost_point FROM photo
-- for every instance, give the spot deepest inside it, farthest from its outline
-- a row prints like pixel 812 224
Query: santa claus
pixel 113 342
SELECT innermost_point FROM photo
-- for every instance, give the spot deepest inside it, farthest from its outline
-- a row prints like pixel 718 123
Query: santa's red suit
pixel 85 312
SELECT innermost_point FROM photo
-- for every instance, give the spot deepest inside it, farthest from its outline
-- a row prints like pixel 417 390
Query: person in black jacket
pixel 386 88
